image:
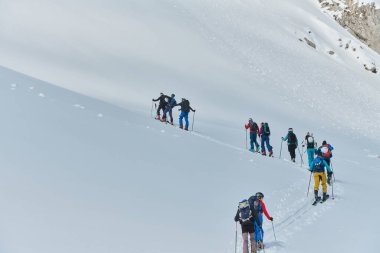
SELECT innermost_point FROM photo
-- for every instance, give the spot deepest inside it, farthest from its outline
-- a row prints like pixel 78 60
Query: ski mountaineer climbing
pixel 318 168
pixel 326 151
pixel 162 105
pixel 292 143
pixel 310 145
pixel 253 130
pixel 264 133
pixel 247 217
pixel 169 109
pixel 185 109
pixel 256 201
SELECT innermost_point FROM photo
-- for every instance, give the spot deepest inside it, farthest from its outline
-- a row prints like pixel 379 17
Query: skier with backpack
pixel 247 217
pixel 253 130
pixel 169 110
pixel 264 133
pixel 292 143
pixel 185 109
pixel 162 104
pixel 310 145
pixel 256 201
pixel 326 151
pixel 318 167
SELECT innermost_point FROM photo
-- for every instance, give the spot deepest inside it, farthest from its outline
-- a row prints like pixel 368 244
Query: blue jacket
pixel 319 165
pixel 286 138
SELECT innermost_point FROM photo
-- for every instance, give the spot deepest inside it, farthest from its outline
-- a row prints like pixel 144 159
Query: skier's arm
pixel 265 210
pixel 237 218
pixel 327 166
pixel 248 126
pixel 155 100
pixel 191 109
pixel 285 138
pixel 331 147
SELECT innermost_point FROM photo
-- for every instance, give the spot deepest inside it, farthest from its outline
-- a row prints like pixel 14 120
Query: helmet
pixel 324 143
pixel 161 93
pixel 173 95
pixel 259 195
pixel 250 119
pixel 290 129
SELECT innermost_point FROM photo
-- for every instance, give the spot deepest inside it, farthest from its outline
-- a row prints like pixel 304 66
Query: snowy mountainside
pixel 210 52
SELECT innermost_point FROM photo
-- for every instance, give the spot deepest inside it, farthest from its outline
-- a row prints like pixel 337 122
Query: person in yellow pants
pixel 318 167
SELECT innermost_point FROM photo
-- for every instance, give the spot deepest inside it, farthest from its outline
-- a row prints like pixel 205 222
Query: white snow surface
pixel 88 170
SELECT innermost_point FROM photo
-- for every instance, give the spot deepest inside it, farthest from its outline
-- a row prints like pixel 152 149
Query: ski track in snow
pixel 294 210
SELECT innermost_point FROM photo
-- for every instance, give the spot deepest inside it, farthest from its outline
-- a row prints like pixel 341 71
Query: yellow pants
pixel 320 176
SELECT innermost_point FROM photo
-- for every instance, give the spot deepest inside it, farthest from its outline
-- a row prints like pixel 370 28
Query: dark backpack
pixel 254 127
pixel 292 138
pixel 245 212
pixel 185 106
pixel 254 202
pixel 318 165
pixel 266 129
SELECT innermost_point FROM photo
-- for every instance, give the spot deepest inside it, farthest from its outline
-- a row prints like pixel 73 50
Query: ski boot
pixel 163 119
pixel 158 117
pixel 181 126
pixel 329 178
pixel 264 153
pixel 258 149
pixel 270 153
pixel 325 197
pixel 171 121
pixel 186 129
pixel 260 245
pixel 252 150
pixel 294 160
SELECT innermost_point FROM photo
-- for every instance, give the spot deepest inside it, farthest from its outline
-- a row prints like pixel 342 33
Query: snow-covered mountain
pixel 83 175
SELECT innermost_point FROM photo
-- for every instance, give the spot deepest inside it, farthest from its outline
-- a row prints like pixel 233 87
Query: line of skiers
pixel 166 105
pixel 319 160
pixel 263 132
pixel 250 216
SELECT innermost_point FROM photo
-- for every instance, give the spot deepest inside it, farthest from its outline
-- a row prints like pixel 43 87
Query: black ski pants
pixel 292 150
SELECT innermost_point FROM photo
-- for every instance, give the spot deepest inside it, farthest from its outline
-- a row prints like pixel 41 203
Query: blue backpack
pixel 255 203
pixel 245 211
pixel 318 165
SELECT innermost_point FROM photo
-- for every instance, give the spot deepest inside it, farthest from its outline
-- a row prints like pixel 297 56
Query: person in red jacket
pixel 253 131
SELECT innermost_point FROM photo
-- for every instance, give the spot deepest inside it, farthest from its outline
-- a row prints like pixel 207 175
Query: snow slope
pixel 81 175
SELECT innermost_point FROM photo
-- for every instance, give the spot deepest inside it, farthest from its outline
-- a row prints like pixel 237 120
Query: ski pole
pixel 281 149
pixel 192 125
pixel 333 170
pixel 246 138
pixel 151 110
pixel 236 238
pixel 300 155
pixel 308 188
pixel 262 239
pixel 274 233
pixel 332 189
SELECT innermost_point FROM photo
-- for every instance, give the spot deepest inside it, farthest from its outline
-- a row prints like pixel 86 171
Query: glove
pixel 282 138
pixel 152 99
pixel 271 218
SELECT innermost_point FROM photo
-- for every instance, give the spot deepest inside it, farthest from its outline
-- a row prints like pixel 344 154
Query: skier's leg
pixel 316 181
pixel 251 137
pixel 171 115
pixel 253 242
pixel 262 144
pixel 180 120
pixel 310 156
pixel 245 242
pixel 324 185
pixel 186 116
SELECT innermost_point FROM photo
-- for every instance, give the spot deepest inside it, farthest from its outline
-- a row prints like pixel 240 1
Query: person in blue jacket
pixel 169 109
pixel 326 151
pixel 318 167
pixel 292 143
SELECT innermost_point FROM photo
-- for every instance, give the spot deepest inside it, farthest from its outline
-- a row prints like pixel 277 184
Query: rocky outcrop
pixel 362 20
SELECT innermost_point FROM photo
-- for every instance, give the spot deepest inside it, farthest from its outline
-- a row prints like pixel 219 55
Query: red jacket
pixel 249 126
pixel 265 210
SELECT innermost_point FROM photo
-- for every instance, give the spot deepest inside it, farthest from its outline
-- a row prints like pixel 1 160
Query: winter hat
pixel 259 195
pixel 324 143
pixel 290 129
pixel 250 119
pixel 173 95
pixel 161 93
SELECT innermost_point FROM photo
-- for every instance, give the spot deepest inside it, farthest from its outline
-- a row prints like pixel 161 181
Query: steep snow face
pixel 222 55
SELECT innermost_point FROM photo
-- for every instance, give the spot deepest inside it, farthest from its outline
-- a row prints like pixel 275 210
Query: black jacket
pixel 185 106
pixel 162 100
